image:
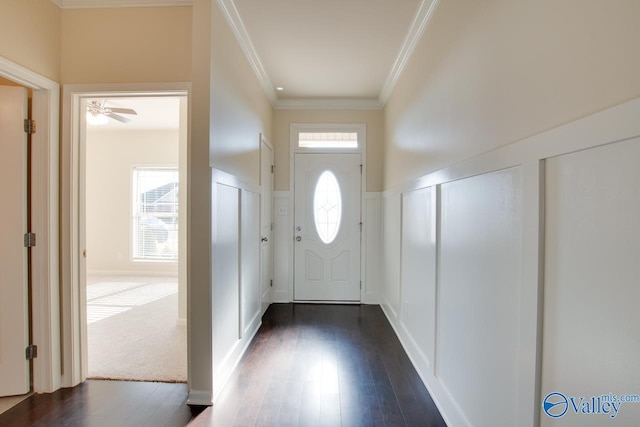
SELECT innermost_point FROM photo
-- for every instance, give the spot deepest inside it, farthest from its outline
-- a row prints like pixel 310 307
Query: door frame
pixel 45 308
pixel 266 298
pixel 294 130
pixel 72 226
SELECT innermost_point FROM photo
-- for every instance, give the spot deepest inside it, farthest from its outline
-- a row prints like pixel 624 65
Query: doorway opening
pixel 15 260
pixel 328 162
pixel 133 157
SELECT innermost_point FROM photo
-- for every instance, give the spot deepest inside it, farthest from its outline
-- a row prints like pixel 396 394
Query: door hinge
pixel 271 226
pixel 29 126
pixel 29 240
pixel 271 283
pixel 361 227
pixel 360 169
pixel 31 352
pixel 360 284
pixel 273 168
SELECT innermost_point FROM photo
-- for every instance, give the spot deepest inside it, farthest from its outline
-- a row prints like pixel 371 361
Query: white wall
pixel 557 215
pixel 30 35
pixel 125 44
pixel 110 158
pixel 489 73
pixel 230 111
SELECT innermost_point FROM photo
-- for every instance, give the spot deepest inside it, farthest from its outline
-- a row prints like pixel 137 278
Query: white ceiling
pixel 328 48
pixel 154 113
pixel 324 53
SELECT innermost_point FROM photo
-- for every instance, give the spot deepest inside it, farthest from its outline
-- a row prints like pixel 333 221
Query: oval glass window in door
pixel 327 207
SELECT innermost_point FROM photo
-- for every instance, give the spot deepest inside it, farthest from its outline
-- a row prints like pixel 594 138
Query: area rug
pixel 133 334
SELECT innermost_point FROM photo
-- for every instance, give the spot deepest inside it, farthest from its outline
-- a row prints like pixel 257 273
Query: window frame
pixel 134 210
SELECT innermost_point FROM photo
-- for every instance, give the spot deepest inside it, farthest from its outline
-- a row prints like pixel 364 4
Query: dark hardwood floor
pixel 309 365
pixel 324 365
pixel 105 403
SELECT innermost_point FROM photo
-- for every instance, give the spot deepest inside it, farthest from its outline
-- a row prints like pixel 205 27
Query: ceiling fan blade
pixel 119 118
pixel 123 111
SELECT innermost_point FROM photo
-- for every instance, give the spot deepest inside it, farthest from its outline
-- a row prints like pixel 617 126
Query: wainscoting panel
pixel 592 291
pixel 390 289
pixel 372 248
pixel 250 259
pixel 418 287
pixel 536 275
pixel 282 247
pixel 235 272
pixel 477 348
pixel 226 272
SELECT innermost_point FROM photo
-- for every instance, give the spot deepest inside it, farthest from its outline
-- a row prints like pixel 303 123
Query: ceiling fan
pixel 98 113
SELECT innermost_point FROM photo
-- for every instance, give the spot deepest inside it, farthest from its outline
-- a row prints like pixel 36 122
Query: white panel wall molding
pixel 94 4
pixel 282 246
pixel 235 272
pixel 504 191
pixel 371 247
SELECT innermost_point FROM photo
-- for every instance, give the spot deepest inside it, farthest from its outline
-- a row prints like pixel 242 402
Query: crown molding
pixel 232 16
pixel 328 104
pixel 420 22
pixel 94 4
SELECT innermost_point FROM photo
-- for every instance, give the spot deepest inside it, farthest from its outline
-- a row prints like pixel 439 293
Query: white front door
pixel 327 227
pixel 266 227
pixel 14 329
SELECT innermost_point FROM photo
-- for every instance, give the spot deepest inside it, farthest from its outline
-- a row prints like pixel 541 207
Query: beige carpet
pixel 132 332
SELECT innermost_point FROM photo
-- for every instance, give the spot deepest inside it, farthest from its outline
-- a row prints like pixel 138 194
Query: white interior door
pixel 266 223
pixel 14 322
pixel 327 227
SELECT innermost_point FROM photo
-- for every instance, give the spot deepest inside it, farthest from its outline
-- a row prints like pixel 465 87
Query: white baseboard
pixel 281 296
pixel 132 273
pixel 199 398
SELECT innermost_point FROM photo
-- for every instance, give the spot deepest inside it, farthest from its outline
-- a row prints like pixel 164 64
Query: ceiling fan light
pixel 96 119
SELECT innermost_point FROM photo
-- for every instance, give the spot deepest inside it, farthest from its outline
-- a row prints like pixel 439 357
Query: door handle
pixel 264 239
pixel 298 238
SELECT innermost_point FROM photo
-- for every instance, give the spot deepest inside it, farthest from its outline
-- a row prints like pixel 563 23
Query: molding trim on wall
pixel 232 16
pixel 328 104
pixel 95 4
pixel 419 24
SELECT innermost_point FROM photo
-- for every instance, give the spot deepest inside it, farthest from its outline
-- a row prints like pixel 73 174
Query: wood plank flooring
pixel 105 403
pixel 324 365
pixel 309 365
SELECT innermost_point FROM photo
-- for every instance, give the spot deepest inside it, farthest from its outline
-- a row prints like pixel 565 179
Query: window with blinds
pixel 155 213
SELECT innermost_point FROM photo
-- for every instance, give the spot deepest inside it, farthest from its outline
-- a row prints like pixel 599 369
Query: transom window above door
pixel 328 137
